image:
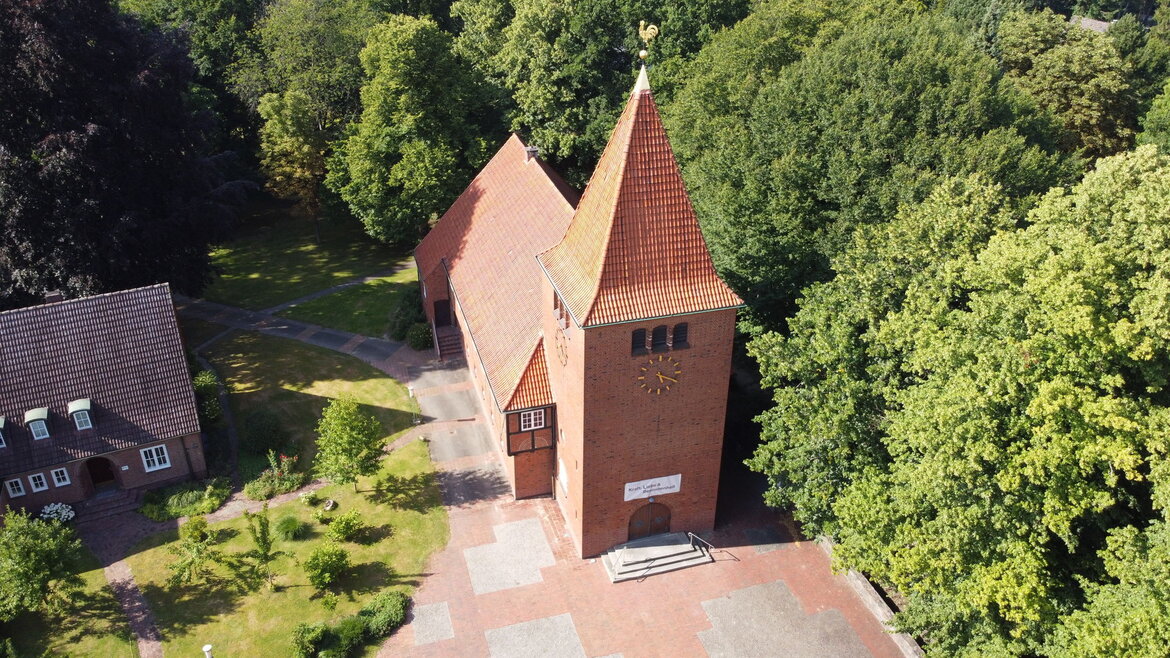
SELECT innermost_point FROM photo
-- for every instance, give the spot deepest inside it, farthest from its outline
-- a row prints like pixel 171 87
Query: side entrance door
pixel 649 519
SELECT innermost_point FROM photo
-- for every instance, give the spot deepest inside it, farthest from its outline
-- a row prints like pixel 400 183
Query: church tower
pixel 637 333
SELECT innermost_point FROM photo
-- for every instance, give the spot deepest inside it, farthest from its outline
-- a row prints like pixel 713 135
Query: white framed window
pixel 531 420
pixel 38 482
pixel 2 443
pixel 15 488
pixel 155 458
pixel 39 429
pixel 60 477
pixel 81 420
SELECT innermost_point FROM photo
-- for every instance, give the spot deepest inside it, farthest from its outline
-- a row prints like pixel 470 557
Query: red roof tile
pixel 121 350
pixel 634 249
pixel 488 240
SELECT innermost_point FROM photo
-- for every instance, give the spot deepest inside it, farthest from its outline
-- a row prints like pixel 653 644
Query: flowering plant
pixel 57 512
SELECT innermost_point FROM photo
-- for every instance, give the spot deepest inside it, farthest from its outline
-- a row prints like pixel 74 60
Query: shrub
pixel 207 394
pixel 309 498
pixel 280 477
pixel 290 528
pixel 385 612
pixel 56 512
pixel 307 639
pixel 195 529
pixel 326 564
pixel 347 527
pixel 351 633
pixel 321 516
pixel 186 499
pixel 262 432
pixel 419 337
pixel 406 313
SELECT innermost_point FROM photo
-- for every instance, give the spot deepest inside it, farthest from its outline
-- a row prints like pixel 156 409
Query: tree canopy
pixel 105 180
pixel 349 442
pixel 37 558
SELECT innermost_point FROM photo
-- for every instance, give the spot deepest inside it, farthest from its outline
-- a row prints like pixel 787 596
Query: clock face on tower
pixel 659 374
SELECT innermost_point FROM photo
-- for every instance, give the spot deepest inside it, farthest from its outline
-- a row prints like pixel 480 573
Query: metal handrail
pixel 693 537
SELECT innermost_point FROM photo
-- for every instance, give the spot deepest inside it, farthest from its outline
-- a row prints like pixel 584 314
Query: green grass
pixel 362 309
pixel 275 257
pixel 90 624
pixel 401 503
pixel 296 381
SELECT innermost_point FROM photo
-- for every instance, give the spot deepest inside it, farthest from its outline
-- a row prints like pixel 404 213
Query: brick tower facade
pixel 611 392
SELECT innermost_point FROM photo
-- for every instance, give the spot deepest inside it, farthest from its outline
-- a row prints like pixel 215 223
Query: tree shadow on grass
pixel 370 577
pixel 193 604
pixel 412 492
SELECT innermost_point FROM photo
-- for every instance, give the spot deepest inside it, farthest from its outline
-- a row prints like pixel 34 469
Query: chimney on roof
pixel 53 296
pixel 530 153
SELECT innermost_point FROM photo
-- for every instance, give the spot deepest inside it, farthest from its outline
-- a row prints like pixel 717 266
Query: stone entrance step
pixel 107 504
pixel 653 555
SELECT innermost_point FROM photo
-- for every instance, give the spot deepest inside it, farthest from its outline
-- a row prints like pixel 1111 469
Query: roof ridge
pixel 162 284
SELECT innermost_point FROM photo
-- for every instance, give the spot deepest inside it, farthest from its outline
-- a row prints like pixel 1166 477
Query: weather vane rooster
pixel 647 32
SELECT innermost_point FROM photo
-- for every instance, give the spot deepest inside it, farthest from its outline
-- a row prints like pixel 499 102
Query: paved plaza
pixel 508 585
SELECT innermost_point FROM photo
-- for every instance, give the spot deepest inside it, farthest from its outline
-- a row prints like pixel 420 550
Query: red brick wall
pixel 630 435
pixel 179 449
pixel 533 472
pixel 568 386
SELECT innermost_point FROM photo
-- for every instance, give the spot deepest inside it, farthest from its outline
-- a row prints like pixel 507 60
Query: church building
pixel 596 330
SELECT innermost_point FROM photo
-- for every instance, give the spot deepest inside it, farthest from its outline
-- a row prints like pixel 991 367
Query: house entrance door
pixel 650 519
pixel 101 474
pixel 443 313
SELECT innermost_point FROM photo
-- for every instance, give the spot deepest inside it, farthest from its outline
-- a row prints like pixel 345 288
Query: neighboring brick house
pixel 597 332
pixel 94 395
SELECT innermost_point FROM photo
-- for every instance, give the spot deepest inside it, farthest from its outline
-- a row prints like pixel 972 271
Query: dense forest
pixel 950 221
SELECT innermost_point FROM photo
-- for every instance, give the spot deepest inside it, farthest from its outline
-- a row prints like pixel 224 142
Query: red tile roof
pixel 533 389
pixel 121 350
pixel 488 240
pixel 634 249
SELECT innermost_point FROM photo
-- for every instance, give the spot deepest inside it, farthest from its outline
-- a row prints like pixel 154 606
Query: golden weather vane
pixel 647 32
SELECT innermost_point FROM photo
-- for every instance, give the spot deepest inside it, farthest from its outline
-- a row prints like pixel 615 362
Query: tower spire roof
pixel 634 249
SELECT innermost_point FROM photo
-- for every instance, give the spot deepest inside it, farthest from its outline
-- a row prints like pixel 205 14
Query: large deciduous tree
pixel 104 178
pixel 37 559
pixel 304 78
pixel 349 442
pixel 986 426
pixel 1074 73
pixel 846 135
pixel 416 144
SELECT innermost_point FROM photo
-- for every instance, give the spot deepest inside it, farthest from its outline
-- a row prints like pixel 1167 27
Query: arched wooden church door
pixel 649 519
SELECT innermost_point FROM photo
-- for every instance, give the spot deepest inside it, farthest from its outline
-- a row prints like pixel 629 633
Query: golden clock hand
pixel 663 378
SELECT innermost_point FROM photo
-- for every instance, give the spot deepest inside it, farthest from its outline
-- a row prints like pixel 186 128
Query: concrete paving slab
pixel 374 350
pixel 452 405
pixel 439 373
pixel 551 637
pixel 330 339
pixel 768 620
pixel 432 623
pixel 469 486
pixel 515 559
pixel 459 440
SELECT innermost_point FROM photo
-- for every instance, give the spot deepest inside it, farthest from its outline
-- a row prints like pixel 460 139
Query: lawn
pixel 295 381
pixel 242 618
pixel 361 309
pixel 90 624
pixel 196 332
pixel 275 257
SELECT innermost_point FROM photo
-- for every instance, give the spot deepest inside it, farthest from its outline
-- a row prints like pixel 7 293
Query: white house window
pixel 60 477
pixel 38 482
pixel 39 429
pixel 155 458
pixel 2 443
pixel 81 419
pixel 79 409
pixel 531 420
pixel 15 488
pixel 37 422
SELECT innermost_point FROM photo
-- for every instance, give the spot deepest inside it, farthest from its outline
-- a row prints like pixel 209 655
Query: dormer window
pixel 79 411
pixel 37 422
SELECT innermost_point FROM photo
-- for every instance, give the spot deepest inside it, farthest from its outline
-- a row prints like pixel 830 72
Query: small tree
pixel 263 554
pixel 195 552
pixel 37 560
pixel 326 564
pixel 349 442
